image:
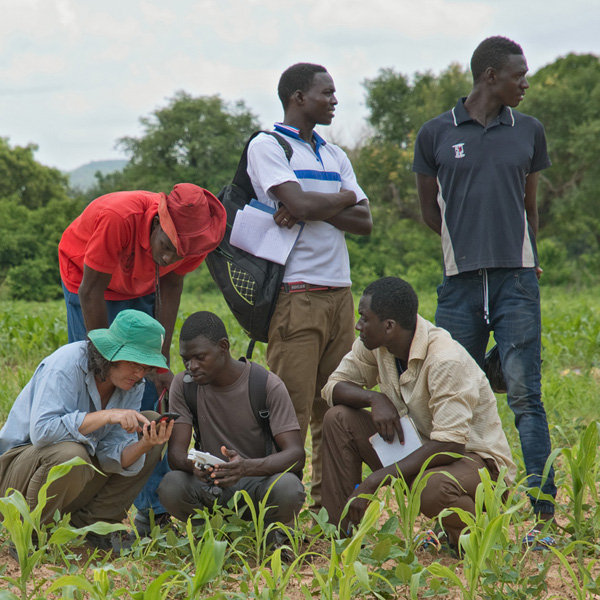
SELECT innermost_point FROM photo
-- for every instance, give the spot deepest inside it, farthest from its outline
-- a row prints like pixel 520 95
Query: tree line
pixel 199 140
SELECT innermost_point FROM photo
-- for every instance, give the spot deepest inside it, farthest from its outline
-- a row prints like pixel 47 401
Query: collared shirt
pixel 442 389
pixel 112 235
pixel 320 255
pixel 481 174
pixel 51 408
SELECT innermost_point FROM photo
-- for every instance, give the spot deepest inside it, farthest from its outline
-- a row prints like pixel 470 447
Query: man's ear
pixel 224 345
pixel 390 326
pixel 298 97
pixel 490 75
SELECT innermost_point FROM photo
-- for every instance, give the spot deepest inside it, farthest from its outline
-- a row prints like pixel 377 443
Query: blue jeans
pixel 513 305
pixel 147 498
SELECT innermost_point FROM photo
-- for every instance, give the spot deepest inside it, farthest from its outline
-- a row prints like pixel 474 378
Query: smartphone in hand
pixel 166 417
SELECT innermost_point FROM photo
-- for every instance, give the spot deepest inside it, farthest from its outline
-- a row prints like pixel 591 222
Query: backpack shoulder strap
pixel 190 394
pixel 257 390
pixel 241 175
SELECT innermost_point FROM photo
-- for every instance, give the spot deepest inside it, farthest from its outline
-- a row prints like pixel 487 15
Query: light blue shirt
pixel 51 408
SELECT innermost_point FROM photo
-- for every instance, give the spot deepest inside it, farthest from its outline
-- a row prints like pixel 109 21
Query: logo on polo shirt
pixel 459 150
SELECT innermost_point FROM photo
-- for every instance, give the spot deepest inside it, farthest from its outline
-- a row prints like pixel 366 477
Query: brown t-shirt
pixel 225 414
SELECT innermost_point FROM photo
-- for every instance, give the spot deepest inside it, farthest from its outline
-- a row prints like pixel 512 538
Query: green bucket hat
pixel 133 336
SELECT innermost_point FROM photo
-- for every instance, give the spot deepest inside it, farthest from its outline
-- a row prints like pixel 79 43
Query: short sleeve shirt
pixel 225 415
pixel 481 173
pixel 112 235
pixel 320 255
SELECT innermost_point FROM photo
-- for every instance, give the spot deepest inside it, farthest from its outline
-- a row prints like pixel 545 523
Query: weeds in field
pixel 581 462
pixel 492 560
pixel 223 556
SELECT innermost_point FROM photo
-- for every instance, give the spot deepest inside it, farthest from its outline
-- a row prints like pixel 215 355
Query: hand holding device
pixel 166 417
pixel 202 460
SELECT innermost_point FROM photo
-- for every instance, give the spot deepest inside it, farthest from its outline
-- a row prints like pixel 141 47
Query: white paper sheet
pixel 256 232
pixel 392 453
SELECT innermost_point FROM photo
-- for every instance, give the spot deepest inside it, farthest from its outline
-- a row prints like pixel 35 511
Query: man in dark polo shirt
pixel 477 169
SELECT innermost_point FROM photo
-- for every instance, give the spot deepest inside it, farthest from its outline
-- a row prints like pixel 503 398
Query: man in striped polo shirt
pixel 312 326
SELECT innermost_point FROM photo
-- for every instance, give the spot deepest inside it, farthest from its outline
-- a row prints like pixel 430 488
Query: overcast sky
pixel 75 75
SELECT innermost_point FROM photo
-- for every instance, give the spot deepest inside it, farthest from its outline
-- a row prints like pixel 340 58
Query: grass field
pixel 227 558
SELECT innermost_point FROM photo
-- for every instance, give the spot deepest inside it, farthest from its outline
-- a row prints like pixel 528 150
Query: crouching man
pixel 213 398
pixel 83 401
pixel 423 373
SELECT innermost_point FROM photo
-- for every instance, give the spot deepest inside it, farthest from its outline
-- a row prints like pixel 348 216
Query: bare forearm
pixel 171 289
pixel 274 463
pixel 133 452
pixel 352 395
pixel 531 185
pixel 312 206
pixel 354 219
pixel 93 307
pixel 178 461
pixel 427 189
pixel 433 220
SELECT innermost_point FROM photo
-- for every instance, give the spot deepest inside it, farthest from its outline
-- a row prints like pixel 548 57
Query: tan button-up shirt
pixel 442 389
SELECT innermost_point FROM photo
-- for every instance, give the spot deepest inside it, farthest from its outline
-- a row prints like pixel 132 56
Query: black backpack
pixel 249 284
pixel 257 390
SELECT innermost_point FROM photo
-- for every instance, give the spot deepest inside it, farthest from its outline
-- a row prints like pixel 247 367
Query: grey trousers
pixel 88 495
pixel 346 446
pixel 181 493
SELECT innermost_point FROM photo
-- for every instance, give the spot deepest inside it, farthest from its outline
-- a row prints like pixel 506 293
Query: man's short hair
pixel 393 298
pixel 297 77
pixel 203 323
pixel 492 52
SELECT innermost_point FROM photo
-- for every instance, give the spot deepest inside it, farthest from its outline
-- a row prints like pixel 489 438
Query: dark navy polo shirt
pixel 481 173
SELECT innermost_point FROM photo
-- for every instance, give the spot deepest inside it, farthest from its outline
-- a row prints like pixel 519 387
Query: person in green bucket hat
pixel 83 401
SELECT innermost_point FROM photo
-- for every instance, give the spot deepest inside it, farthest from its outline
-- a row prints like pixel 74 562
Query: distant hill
pixel 83 177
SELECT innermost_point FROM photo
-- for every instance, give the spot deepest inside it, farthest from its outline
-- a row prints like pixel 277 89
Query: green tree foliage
pixel 400 244
pixel 398 108
pixel 26 181
pixel 565 96
pixel 192 139
pixel 36 210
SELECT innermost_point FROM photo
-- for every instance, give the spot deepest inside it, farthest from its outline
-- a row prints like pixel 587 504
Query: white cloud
pixel 111 26
pixel 422 20
pixel 157 14
pixel 76 75
pixel 66 15
pixel 74 103
pixel 31 65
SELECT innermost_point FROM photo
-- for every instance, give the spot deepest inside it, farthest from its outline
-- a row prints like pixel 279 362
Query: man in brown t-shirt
pixel 229 430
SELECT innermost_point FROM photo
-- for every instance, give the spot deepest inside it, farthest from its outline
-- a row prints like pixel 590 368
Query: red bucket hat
pixel 193 219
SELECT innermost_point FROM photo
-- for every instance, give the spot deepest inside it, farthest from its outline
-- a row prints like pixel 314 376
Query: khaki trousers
pixel 310 333
pixel 346 446
pixel 88 495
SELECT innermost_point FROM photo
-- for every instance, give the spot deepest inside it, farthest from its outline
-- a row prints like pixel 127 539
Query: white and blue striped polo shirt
pixel 320 256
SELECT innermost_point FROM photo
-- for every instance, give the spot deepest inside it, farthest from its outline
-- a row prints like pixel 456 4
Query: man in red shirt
pixel 132 250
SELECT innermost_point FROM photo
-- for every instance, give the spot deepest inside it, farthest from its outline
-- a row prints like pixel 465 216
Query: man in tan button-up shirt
pixel 422 372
